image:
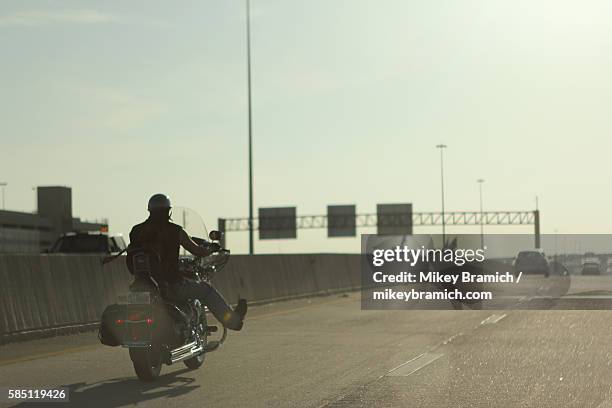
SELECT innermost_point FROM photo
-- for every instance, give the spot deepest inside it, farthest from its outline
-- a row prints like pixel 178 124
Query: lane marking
pixel 442 343
pixel 587 297
pixel 409 361
pixel 494 318
pixel 451 338
pixel 414 365
pixel 572 296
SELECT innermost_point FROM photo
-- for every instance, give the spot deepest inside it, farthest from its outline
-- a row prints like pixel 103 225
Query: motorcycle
pixel 154 324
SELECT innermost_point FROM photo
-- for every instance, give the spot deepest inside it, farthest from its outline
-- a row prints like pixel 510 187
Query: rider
pixel 165 238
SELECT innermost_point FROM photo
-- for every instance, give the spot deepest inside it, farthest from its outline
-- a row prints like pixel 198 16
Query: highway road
pixel 327 352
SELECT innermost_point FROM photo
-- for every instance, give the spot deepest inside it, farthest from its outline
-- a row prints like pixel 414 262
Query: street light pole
pixel 3 184
pixel 250 125
pixel 442 147
pixel 480 181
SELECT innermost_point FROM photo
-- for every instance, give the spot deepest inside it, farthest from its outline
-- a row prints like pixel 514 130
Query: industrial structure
pixel 23 232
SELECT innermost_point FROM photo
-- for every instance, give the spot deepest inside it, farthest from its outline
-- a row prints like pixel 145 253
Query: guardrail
pixel 46 295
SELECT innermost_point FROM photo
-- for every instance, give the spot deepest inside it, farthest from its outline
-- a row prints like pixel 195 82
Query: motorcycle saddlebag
pixel 110 332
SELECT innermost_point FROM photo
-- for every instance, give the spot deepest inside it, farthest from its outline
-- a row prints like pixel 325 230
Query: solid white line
pixel 529 298
pixel 414 365
pixel 586 297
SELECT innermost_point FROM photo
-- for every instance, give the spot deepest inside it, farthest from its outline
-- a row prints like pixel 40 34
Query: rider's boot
pixel 241 308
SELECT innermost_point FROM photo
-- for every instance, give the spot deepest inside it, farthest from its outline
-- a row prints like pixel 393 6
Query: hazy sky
pixel 120 100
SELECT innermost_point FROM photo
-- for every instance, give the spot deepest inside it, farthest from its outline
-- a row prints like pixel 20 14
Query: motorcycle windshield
pixel 191 222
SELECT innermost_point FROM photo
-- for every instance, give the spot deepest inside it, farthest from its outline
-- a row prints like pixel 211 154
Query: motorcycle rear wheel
pixel 147 363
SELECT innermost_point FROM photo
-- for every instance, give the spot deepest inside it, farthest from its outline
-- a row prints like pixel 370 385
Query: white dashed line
pixel 414 365
pixel 493 319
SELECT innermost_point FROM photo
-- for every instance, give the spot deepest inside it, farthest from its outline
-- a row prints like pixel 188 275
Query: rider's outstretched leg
pixel 232 319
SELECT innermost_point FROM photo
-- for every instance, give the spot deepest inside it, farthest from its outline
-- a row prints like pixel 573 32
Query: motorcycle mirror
pixel 215 235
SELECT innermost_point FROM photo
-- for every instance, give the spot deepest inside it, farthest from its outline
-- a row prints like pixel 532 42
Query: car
pixel 609 266
pixel 590 257
pixel 88 243
pixel 591 268
pixel 531 261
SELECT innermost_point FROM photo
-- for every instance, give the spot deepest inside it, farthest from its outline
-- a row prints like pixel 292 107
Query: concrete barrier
pixel 55 293
pixel 42 295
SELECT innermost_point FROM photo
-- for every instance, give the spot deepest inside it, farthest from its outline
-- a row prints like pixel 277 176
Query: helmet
pixel 159 201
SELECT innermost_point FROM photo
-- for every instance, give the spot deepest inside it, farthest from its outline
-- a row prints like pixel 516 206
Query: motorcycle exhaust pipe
pixel 189 354
pixel 183 349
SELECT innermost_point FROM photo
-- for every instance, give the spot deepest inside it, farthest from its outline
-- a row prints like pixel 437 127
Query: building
pixel 35 232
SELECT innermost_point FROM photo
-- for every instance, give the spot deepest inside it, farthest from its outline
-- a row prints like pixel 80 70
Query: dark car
pixel 531 262
pixel 591 268
pixel 88 243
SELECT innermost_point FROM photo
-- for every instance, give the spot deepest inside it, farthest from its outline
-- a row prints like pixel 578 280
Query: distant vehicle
pixel 609 266
pixel 531 261
pixel 88 243
pixel 591 259
pixel 591 268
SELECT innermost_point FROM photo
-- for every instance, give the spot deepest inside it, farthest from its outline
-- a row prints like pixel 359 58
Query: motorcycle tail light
pixel 149 321
pixel 119 321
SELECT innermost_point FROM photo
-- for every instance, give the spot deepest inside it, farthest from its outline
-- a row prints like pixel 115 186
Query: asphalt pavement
pixel 327 352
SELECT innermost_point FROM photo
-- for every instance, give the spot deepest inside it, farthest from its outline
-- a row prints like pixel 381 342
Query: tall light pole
pixel 3 184
pixel 536 223
pixel 250 125
pixel 480 181
pixel 442 147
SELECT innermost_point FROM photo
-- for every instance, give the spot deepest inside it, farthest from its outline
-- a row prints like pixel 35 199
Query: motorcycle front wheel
pixel 147 363
pixel 195 362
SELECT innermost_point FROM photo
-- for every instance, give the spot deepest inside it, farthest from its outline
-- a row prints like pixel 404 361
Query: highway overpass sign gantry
pixel 419 219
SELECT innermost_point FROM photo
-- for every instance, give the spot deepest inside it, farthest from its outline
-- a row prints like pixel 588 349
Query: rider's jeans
pixel 208 295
